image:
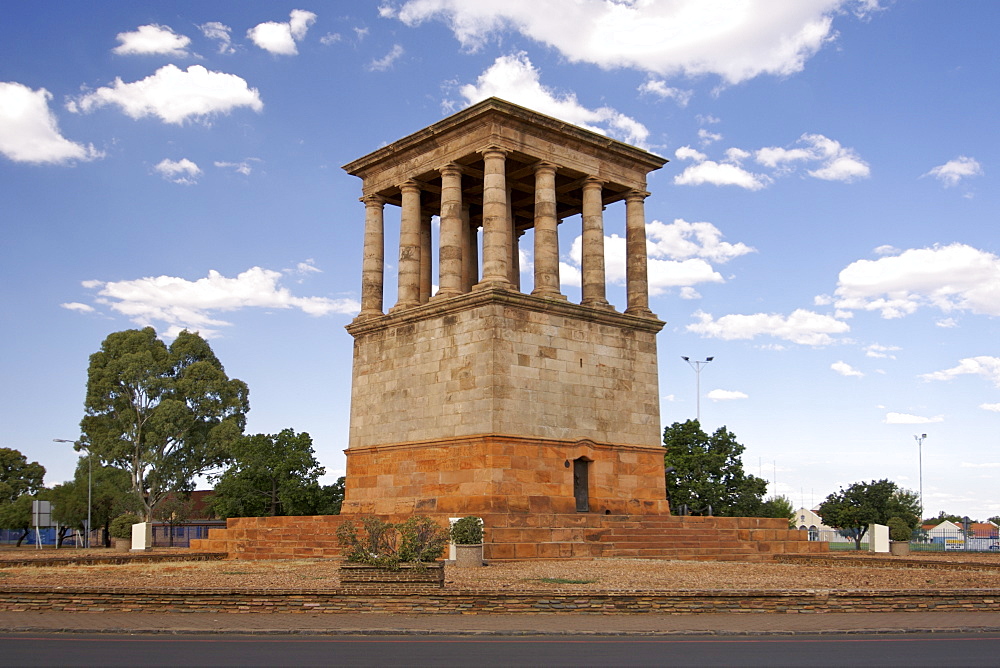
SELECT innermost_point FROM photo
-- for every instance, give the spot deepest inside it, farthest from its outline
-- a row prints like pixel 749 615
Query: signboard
pixel 41 513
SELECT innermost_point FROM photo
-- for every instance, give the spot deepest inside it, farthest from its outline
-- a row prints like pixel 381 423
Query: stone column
pixel 636 275
pixel 594 290
pixel 373 260
pixel 426 257
pixel 409 247
pixel 496 223
pixel 546 233
pixel 452 250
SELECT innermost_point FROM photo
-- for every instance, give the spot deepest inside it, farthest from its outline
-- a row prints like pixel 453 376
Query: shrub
pixel 467 531
pixel 121 526
pixel 899 529
pixel 423 539
pixel 384 544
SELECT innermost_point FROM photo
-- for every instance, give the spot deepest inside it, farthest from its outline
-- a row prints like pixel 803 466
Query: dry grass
pixel 582 575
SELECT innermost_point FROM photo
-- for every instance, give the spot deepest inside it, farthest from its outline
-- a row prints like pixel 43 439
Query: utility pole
pixel 920 460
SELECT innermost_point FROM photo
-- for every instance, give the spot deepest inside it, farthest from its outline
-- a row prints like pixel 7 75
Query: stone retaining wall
pixel 435 601
pixel 883 562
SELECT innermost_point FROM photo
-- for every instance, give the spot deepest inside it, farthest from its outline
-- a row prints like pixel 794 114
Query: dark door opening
pixel 581 485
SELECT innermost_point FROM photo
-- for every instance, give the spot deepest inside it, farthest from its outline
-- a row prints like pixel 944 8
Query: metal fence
pixel 921 541
pixel 181 535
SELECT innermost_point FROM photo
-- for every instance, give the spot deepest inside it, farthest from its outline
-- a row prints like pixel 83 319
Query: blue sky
pixel 825 229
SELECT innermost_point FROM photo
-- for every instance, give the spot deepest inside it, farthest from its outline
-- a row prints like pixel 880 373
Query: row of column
pixel 458 245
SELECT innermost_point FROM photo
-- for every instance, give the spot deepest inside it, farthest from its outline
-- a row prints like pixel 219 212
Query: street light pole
pixel 920 461
pixel 90 483
pixel 696 365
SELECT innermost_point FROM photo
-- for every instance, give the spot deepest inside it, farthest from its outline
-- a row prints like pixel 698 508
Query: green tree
pixel 708 471
pixel 863 503
pixel 110 496
pixel 779 506
pixel 20 480
pixel 18 476
pixel 163 414
pixel 271 474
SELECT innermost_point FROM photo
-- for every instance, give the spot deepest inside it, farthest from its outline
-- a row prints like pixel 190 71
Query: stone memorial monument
pixel 481 398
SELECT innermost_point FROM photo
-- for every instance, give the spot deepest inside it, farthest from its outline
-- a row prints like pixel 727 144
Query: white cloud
pixel 952 172
pixel 983 365
pixel 219 32
pixel 280 38
pixel 681 240
pixel 845 369
pixel 736 41
pixel 688 153
pixel 906 418
pixel 680 256
pixel 515 79
pixel 835 162
pixel 330 38
pixel 983 465
pixel 386 61
pixel 721 174
pixel 881 352
pixel 990 407
pixel 946 323
pixel 660 89
pixel 243 167
pixel 182 304
pixel 181 171
pixel 174 95
pixel 801 326
pixel 78 307
pixel 152 39
pixel 707 137
pixel 952 278
pixel 29 131
pixel 726 395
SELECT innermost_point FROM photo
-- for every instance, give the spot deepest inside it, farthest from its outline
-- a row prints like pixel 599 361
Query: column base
pixel 598 303
pixel 547 294
pixel 494 284
pixel 640 311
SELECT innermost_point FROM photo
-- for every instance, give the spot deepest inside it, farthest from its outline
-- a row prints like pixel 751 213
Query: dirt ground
pixel 576 575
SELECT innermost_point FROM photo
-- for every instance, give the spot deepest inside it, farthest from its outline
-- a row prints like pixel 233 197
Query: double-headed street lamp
pixel 90 481
pixel 696 365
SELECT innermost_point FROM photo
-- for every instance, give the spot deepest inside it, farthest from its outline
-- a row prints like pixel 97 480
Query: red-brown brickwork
pixel 511 536
pixel 500 474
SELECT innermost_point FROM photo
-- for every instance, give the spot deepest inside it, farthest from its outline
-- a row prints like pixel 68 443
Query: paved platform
pixel 519 624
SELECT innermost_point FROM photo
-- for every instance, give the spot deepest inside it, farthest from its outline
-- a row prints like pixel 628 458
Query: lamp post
pixel 90 482
pixel 696 365
pixel 920 461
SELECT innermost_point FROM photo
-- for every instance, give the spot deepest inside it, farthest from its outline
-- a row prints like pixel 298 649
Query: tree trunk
pixel 23 536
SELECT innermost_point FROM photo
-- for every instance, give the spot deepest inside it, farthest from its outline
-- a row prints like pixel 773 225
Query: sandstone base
pixel 492 474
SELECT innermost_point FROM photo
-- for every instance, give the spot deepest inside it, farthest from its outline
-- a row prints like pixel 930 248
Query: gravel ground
pixel 577 575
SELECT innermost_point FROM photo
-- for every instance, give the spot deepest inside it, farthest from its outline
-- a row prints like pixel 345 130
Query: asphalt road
pixel 939 649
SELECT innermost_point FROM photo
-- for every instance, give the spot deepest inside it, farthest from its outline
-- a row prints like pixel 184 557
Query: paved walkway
pixel 516 624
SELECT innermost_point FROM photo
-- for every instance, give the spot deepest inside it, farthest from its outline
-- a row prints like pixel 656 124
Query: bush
pixel 467 531
pixel 384 544
pixel 899 529
pixel 121 526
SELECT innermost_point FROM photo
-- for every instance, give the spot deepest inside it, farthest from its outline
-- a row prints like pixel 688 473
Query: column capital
pixel 451 168
pixel 633 195
pixel 410 185
pixel 493 148
pixel 372 200
pixel 545 166
pixel 593 181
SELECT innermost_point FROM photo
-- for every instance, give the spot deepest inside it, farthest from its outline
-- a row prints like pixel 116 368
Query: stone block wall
pixel 497 362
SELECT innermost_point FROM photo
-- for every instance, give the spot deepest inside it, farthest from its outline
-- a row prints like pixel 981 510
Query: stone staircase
pixel 511 537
